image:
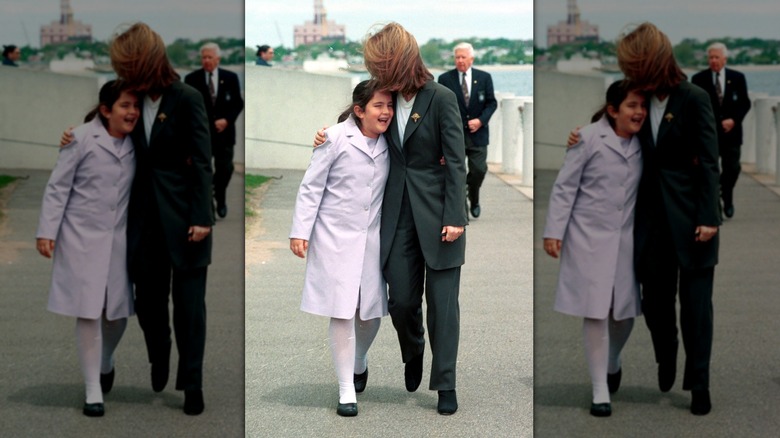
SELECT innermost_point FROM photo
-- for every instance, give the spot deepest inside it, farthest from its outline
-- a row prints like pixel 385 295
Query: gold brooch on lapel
pixel 669 117
pixel 162 117
pixel 415 117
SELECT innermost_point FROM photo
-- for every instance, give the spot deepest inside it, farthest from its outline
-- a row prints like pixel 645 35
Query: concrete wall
pixel 563 101
pixel 36 107
pixel 284 109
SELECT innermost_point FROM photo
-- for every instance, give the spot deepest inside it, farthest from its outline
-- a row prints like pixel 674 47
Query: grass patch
pixel 252 182
pixel 6 179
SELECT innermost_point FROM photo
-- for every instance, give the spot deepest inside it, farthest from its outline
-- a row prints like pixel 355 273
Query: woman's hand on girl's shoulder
pixel 67 137
pixel 320 137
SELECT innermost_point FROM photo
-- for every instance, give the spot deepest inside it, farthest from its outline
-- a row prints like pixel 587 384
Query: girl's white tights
pixel 349 343
pixel 96 340
pixel 604 340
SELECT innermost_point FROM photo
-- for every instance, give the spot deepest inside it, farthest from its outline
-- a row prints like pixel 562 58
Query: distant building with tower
pixel 66 29
pixel 573 29
pixel 320 29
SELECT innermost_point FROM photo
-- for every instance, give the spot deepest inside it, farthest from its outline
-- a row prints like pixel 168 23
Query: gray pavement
pixel 41 389
pixel 745 375
pixel 291 388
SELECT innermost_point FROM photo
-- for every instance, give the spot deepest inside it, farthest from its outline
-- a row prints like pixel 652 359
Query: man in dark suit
pixel 222 96
pixel 477 103
pixel 170 214
pixel 730 103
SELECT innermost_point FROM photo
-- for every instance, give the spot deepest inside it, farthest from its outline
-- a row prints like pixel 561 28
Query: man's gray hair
pixel 465 46
pixel 719 46
pixel 211 46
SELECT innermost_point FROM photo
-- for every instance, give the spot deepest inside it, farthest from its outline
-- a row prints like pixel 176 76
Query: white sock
pixel 112 334
pixel 342 346
pixel 619 331
pixel 88 340
pixel 365 332
pixel 596 338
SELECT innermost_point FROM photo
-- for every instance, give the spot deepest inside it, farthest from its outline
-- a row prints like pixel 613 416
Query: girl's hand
pixel 45 247
pixel 299 247
pixel 552 247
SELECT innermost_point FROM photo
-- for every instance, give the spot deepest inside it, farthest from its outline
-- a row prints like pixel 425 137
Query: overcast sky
pixel 271 21
pixel 172 19
pixel 679 19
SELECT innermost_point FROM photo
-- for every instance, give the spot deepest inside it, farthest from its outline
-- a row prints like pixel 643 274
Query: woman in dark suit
pixel 170 216
pixel 423 219
pixel 677 214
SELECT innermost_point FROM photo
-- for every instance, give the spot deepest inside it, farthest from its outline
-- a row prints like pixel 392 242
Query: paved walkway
pixel 745 369
pixel 41 389
pixel 291 388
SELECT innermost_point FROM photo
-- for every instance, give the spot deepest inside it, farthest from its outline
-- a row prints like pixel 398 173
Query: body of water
pixel 763 81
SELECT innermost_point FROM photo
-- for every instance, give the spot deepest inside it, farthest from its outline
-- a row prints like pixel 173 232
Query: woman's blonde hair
pixel 392 57
pixel 646 57
pixel 139 59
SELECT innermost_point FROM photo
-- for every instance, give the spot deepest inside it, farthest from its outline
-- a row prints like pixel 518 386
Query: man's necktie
pixel 465 87
pixel 718 89
pixel 211 89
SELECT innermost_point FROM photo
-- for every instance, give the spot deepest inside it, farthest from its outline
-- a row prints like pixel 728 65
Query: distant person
pixel 11 54
pixel 730 103
pixel 590 226
pixel 337 221
pixel 265 54
pixel 222 95
pixel 83 225
pixel 477 103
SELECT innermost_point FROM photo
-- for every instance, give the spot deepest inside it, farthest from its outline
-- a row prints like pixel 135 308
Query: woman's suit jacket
pixel 680 179
pixel 338 211
pixel 174 173
pixel 592 212
pixel 85 212
pixel 430 163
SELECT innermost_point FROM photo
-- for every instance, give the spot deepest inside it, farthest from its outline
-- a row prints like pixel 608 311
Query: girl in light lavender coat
pixel 83 226
pixel 590 224
pixel 337 217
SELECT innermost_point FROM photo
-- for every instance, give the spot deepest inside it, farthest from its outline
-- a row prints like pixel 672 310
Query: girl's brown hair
pixel 392 57
pixel 361 95
pixel 109 94
pixel 140 61
pixel 646 57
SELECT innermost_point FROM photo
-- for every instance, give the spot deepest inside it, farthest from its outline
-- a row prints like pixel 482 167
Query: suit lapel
pixel 169 98
pixel 421 104
pixel 672 110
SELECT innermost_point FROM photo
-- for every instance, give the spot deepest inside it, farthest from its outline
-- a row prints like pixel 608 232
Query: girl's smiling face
pixel 375 119
pixel 123 115
pixel 630 116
